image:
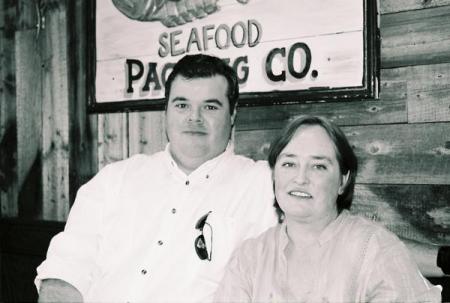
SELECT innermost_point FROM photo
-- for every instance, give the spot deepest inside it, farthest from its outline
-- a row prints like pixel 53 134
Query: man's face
pixel 198 119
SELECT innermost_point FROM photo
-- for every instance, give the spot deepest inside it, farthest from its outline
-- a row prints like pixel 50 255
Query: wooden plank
pixel 419 212
pixel 394 6
pixel 112 138
pixel 398 154
pixel 415 37
pixel 55 138
pixel 402 154
pixel 29 13
pixel 391 108
pixel 147 132
pixel 82 127
pixel 428 91
pixel 8 143
pixel 2 14
pixel 29 123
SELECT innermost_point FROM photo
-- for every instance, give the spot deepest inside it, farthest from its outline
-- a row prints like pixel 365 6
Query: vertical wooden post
pixel 29 110
pixel 8 125
pixel 55 109
pixel 82 127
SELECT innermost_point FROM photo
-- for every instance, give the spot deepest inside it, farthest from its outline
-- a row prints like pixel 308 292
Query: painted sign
pixel 282 50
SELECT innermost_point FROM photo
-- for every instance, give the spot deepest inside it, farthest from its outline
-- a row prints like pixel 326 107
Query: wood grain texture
pixel 402 154
pixel 147 133
pixel 28 17
pixel 419 212
pixel 8 115
pixel 82 127
pixel 415 37
pixel 391 108
pixel 387 154
pixel 394 6
pixel 112 138
pixel 55 110
pixel 428 88
pixel 29 122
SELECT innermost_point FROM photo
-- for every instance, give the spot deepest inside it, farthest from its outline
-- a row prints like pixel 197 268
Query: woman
pixel 320 252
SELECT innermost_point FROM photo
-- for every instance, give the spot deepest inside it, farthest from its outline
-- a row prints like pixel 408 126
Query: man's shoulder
pixel 246 163
pixel 135 161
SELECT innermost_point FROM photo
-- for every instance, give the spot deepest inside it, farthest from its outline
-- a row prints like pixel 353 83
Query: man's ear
pixel 344 181
pixel 233 116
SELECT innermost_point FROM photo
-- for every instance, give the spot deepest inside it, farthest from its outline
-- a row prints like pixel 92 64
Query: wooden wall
pixel 47 141
pixel 49 146
pixel 402 139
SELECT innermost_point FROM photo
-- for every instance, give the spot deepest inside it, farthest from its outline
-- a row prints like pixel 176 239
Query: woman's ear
pixel 344 181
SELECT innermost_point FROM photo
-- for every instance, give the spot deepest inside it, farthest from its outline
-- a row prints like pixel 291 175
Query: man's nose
pixel 195 115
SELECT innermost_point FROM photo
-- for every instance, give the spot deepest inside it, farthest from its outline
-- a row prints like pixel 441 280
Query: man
pixel 162 227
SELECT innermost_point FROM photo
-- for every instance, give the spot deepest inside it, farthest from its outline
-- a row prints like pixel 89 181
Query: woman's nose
pixel 302 175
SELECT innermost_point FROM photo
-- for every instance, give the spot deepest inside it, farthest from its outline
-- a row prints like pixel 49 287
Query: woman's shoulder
pixel 358 226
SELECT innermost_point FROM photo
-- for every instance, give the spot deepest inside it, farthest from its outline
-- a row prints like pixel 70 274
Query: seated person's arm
pixel 426 256
pixel 394 275
pixel 55 290
pixel 234 286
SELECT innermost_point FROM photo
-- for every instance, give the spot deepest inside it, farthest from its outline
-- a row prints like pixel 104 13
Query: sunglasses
pixel 200 244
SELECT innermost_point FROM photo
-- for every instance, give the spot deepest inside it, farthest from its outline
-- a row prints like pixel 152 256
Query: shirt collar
pixel 206 169
pixel 327 234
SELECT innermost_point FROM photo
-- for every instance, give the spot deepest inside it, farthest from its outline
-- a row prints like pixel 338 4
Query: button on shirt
pixel 353 260
pixel 131 231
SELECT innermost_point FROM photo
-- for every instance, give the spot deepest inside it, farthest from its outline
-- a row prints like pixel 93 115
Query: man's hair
pixel 205 66
pixel 345 155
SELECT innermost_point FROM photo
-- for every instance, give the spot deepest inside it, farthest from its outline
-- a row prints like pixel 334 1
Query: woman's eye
pixel 320 166
pixel 287 164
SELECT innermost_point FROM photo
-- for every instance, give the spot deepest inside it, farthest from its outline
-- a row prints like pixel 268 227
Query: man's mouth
pixel 300 194
pixel 195 132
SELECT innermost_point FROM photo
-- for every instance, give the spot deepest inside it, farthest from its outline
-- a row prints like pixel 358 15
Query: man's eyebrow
pixel 214 101
pixel 178 99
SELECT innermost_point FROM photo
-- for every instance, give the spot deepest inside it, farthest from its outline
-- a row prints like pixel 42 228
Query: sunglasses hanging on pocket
pixel 203 243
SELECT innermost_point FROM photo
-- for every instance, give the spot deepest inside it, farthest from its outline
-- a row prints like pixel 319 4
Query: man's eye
pixel 211 107
pixel 180 105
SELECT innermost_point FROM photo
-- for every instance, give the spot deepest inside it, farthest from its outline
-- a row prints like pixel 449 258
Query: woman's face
pixel 307 177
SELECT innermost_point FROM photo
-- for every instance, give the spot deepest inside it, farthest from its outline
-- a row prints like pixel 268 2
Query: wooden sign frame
pixel 368 89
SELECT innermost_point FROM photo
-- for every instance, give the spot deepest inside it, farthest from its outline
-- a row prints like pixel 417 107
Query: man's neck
pixel 190 164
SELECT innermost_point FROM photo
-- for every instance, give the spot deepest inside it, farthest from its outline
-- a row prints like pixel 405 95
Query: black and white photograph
pixel 224 151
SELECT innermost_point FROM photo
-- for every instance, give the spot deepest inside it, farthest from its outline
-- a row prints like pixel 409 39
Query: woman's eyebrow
pixel 287 155
pixel 326 158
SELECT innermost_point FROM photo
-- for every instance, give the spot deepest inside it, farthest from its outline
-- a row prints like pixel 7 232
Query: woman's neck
pixel 302 233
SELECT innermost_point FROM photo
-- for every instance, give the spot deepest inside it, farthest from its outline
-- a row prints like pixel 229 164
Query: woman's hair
pixel 205 66
pixel 345 155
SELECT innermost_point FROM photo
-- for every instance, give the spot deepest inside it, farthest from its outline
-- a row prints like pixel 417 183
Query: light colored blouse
pixel 354 260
